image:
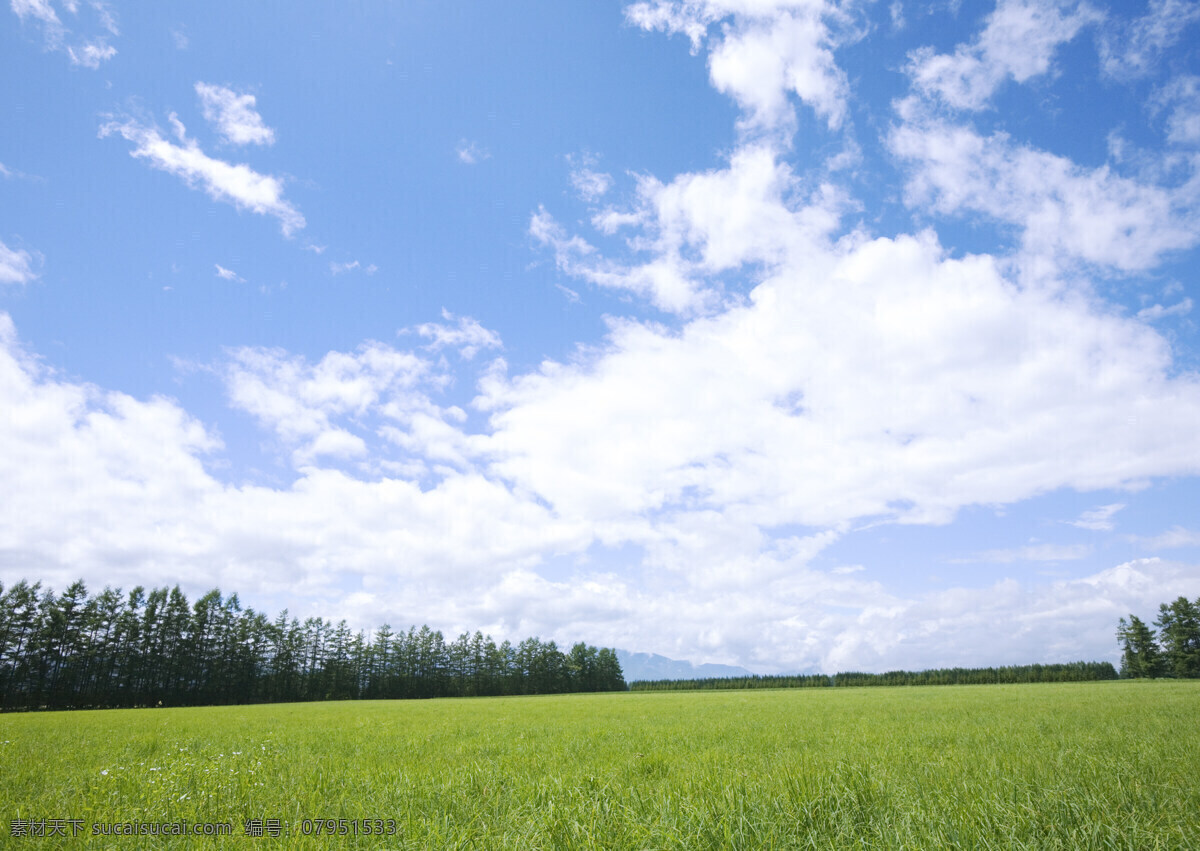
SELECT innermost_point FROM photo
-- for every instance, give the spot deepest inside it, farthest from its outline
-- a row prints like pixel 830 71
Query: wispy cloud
pixel 89 52
pixel 1133 49
pixel 1033 552
pixel 1157 311
pixel 468 336
pixel 1098 519
pixel 234 115
pixel 1176 536
pixel 238 185
pixel 1064 210
pixel 1019 42
pixel 16 265
pixel 43 12
pixel 351 266
pixel 471 153
pixel 589 184
pixel 1181 97
pixel 228 274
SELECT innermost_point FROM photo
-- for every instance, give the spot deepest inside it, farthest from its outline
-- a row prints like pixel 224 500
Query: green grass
pixel 1086 765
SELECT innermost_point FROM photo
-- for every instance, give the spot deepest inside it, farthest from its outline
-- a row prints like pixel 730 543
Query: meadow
pixel 1074 765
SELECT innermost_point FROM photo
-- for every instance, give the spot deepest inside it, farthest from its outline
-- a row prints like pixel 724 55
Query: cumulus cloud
pixel 767 50
pixel 917 382
pixel 16 265
pixel 697 226
pixel 1008 622
pixel 1018 42
pixel 302 403
pixel 117 490
pixel 238 184
pixel 234 115
pixel 1062 209
pixel 804 382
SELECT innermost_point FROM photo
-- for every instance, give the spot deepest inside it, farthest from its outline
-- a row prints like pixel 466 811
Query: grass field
pixel 1086 765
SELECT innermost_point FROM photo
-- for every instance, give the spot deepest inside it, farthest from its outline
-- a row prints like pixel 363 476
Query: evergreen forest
pixel 1174 651
pixel 75 650
pixel 1062 673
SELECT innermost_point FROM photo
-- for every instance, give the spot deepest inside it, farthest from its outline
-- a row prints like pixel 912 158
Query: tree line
pixel 1173 652
pixel 111 649
pixel 1060 673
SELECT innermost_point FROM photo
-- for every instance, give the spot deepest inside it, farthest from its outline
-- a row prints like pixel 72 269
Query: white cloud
pixel 1176 536
pixel 1134 49
pixel 234 115
pixel 471 153
pixel 1182 97
pixel 770 49
pixel 663 281
pixel 238 185
pixel 40 10
pixel 1009 622
pixel 468 336
pixel 1018 42
pixel 302 403
pixel 838 381
pixel 90 52
pixel 1063 210
pixel 590 185
pixel 916 384
pixel 1033 552
pixel 229 275
pixel 16 265
pixel 350 266
pixel 115 489
pixel 1157 311
pixel 1098 519
pixel 700 225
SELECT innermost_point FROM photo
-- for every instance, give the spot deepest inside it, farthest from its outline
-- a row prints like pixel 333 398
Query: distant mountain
pixel 651 666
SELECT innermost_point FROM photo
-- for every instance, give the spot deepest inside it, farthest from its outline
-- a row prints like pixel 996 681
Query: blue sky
pixel 793 334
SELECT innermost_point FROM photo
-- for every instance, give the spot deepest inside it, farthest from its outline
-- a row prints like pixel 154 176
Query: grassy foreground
pixel 1081 765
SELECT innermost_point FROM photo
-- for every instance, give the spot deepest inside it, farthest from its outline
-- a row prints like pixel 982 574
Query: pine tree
pixel 1139 653
pixel 1179 630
